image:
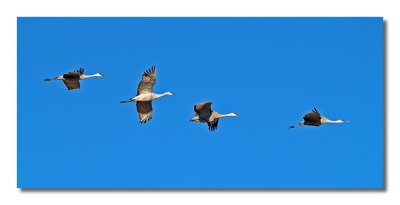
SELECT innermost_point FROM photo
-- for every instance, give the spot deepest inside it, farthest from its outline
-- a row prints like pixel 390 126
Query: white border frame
pixel 9 10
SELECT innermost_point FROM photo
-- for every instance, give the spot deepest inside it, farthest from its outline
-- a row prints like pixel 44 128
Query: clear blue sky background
pixel 271 71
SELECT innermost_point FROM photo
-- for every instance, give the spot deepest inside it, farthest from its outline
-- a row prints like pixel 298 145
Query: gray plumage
pixel 315 119
pixel 145 95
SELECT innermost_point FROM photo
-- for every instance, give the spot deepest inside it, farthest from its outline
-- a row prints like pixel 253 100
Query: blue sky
pixel 271 71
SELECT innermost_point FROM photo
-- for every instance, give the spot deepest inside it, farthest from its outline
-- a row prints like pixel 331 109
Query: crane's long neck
pixel 89 76
pixel 327 121
pixel 155 96
pixel 227 115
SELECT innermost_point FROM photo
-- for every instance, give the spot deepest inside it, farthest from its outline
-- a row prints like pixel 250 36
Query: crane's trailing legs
pixel 128 101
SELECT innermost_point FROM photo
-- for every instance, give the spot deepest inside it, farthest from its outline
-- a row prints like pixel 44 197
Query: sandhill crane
pixel 145 95
pixel 71 79
pixel 203 113
pixel 315 119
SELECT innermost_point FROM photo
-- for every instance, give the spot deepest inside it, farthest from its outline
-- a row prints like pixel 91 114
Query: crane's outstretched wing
pixel 72 76
pixel 145 110
pixel 203 108
pixel 72 84
pixel 312 117
pixel 148 81
pixel 80 71
pixel 71 80
pixel 212 126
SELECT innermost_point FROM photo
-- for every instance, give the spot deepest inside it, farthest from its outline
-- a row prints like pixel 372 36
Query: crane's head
pixel 232 114
pixel 99 75
pixel 169 93
pixel 342 121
